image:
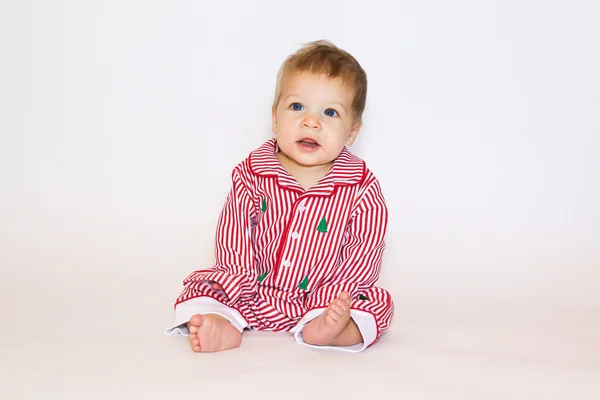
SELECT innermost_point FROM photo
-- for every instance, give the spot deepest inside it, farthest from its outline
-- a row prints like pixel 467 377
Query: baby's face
pixel 313 119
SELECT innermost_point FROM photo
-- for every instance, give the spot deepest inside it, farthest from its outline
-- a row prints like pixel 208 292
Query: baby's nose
pixel 311 122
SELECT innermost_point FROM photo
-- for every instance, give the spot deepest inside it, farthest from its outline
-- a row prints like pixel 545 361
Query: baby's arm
pixel 233 269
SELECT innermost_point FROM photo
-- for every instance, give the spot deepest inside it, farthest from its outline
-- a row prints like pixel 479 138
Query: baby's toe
pixel 196 320
pixel 330 320
pixel 337 310
pixel 331 313
pixel 342 304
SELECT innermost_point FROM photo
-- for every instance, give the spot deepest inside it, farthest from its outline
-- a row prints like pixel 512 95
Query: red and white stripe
pixel 284 242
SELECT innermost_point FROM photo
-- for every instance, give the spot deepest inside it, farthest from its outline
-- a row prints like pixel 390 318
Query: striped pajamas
pixel 283 253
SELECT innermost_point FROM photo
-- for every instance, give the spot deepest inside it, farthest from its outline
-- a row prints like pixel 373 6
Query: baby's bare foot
pixel 211 332
pixel 324 329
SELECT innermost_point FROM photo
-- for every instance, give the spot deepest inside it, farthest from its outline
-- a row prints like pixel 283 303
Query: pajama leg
pixel 203 300
pixel 372 311
pixel 203 305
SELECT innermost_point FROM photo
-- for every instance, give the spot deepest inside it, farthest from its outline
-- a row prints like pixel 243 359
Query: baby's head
pixel 319 101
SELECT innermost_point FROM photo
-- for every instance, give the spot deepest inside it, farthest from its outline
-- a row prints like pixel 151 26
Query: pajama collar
pixel 347 169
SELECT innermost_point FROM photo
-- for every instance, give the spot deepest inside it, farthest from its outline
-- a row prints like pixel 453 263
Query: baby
pixel 299 241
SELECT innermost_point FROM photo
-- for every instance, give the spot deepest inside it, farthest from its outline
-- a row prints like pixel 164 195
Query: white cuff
pixel 364 320
pixel 203 305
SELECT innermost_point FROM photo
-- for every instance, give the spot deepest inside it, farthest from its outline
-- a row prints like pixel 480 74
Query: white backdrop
pixel 120 122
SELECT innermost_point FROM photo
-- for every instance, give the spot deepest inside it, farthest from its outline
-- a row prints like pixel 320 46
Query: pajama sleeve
pixel 233 268
pixel 360 265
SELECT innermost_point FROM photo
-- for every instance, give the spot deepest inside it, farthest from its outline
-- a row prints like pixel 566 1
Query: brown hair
pixel 323 57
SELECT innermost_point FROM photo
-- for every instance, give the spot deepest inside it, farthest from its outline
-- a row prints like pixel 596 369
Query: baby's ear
pixel 274 118
pixel 354 133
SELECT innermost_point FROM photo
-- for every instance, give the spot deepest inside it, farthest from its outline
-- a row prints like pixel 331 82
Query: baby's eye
pixel 296 106
pixel 330 112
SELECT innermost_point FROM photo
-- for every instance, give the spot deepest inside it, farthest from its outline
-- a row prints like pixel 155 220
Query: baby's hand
pixel 216 286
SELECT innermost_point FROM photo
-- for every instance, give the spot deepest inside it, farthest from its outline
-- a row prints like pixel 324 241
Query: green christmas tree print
pixel 322 226
pixel 363 297
pixel 264 205
pixel 304 284
pixel 263 276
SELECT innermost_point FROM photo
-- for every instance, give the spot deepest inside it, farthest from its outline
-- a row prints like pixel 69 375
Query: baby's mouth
pixel 308 142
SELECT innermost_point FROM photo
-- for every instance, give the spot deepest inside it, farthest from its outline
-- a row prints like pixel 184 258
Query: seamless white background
pixel 120 122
